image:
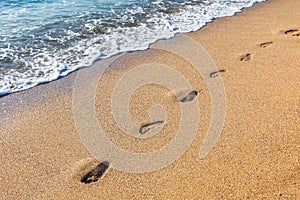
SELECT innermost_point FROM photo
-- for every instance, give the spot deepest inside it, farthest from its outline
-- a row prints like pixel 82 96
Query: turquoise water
pixel 42 40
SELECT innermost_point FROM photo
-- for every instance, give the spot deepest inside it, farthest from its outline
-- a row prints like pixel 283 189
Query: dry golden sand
pixel 257 155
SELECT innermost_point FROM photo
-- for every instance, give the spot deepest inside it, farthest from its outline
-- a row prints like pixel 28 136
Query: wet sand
pixel 256 156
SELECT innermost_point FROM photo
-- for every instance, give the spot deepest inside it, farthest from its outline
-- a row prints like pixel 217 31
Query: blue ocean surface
pixel 42 40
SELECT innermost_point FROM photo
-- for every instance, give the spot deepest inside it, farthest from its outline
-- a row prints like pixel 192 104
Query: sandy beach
pixel 257 155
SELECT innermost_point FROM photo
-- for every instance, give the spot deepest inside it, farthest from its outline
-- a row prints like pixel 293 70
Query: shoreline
pixel 70 69
pixel 256 156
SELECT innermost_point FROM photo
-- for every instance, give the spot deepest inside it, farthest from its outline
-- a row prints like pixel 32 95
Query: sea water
pixel 42 40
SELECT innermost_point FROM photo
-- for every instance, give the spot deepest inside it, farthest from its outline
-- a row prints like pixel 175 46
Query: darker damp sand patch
pixel 96 174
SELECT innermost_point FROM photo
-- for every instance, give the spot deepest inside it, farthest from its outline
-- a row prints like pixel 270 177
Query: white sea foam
pixel 43 63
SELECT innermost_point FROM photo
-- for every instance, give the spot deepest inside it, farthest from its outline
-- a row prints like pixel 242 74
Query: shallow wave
pixel 44 40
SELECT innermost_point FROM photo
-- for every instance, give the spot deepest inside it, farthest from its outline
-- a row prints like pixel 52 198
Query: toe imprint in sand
pixel 265 44
pixel 96 174
pixel 147 127
pixel 246 57
pixel 292 32
pixel 215 74
pixel 190 96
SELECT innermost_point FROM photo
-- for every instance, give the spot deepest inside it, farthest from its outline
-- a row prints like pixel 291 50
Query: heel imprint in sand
pixel 246 57
pixel 97 173
pixel 190 96
pixel 292 32
pixel 147 127
pixel 217 73
pixel 265 44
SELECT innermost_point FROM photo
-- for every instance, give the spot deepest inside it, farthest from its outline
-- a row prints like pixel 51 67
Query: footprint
pixel 292 32
pixel 246 57
pixel 216 73
pixel 265 44
pixel 190 96
pixel 147 127
pixel 97 173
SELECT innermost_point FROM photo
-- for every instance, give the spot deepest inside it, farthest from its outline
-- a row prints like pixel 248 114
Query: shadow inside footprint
pixel 190 96
pixel 96 174
pixel 292 32
pixel 265 44
pixel 216 73
pixel 147 127
pixel 246 57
